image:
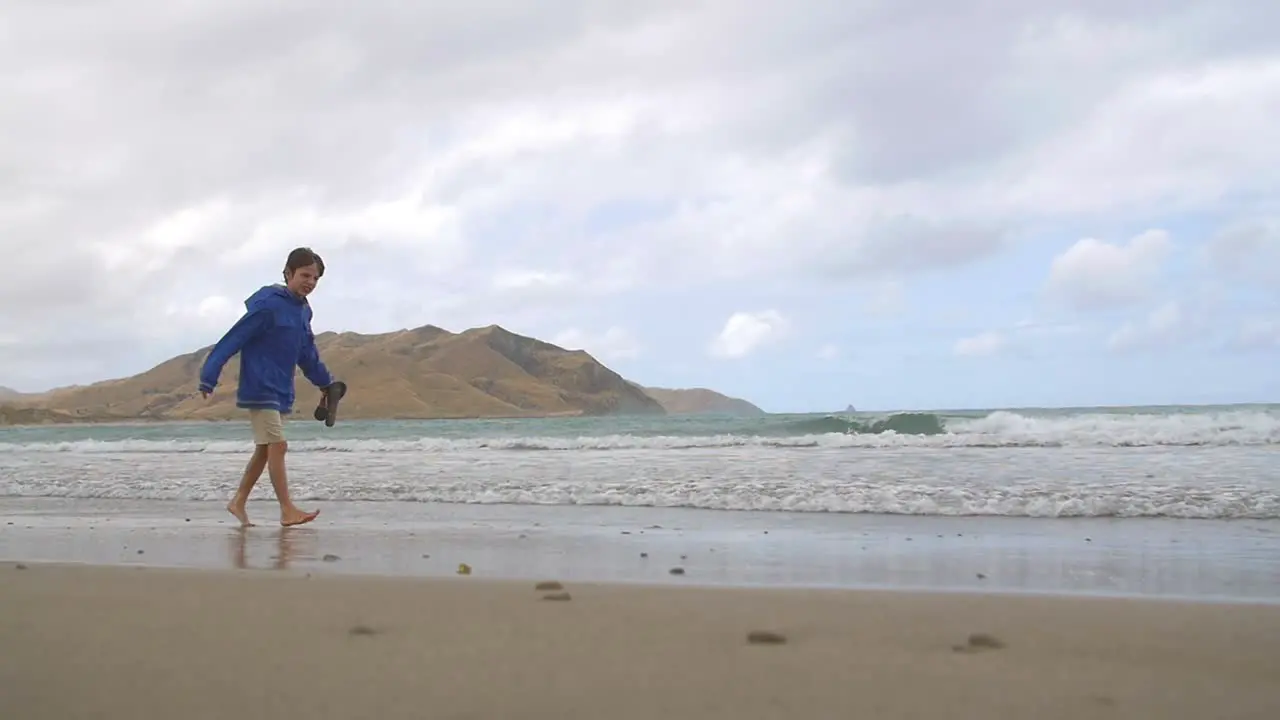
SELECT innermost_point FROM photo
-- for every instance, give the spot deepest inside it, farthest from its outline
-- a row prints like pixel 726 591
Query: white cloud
pixel 884 298
pixel 632 158
pixel 828 352
pixel 520 280
pixel 1094 275
pixel 1045 329
pixel 1167 325
pixel 745 332
pixel 1257 334
pixel 1247 251
pixel 1177 137
pixel 980 345
pixel 613 344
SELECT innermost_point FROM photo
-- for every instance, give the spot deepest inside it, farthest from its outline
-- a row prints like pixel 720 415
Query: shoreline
pixel 885 593
pixel 1212 560
pixel 118 642
pixel 958 594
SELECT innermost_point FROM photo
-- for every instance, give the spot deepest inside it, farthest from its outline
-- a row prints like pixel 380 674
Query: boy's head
pixel 302 270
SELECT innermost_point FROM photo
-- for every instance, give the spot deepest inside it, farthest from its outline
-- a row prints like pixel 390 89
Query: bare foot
pixel 297 517
pixel 240 514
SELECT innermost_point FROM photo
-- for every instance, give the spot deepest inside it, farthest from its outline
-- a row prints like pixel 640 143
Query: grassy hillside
pixel 427 372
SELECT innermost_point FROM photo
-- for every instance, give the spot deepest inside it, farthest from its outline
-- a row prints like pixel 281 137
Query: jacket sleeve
pixel 312 366
pixel 246 328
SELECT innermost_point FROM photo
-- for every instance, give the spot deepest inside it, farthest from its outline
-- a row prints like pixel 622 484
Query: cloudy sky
pixel 913 204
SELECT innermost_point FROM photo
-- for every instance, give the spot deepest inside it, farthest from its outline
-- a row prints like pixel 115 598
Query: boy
pixel 272 337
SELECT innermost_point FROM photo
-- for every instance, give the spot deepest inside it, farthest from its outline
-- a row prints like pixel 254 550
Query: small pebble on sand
pixel 984 640
pixel 548 585
pixel 676 571
pixel 362 630
pixel 20 566
pixel 765 637
pixel 644 555
pixel 331 558
pixel 979 641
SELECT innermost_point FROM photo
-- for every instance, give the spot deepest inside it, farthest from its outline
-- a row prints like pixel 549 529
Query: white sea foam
pixel 1035 482
pixel 1192 465
pixel 1132 500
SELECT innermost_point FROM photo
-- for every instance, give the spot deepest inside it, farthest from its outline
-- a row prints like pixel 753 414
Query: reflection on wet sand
pixel 290 543
pixel 1152 557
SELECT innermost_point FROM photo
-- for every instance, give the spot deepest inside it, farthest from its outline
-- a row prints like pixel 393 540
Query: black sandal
pixel 328 411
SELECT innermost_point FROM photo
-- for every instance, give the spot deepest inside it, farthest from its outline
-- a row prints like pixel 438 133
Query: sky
pixel 895 205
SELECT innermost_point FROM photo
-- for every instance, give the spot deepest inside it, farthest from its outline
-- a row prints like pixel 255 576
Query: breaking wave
pixel 1058 464
pixel 1001 429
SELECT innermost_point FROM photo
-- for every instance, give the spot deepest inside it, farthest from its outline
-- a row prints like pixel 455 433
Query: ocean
pixel 1182 462
pixel 1147 485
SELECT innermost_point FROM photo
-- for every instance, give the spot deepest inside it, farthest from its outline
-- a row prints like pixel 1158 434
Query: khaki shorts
pixel 268 426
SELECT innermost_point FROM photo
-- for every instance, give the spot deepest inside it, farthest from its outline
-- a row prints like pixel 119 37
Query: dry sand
pixel 102 642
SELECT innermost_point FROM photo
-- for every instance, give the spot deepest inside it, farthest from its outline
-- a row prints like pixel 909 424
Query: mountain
pixel 9 394
pixel 18 415
pixel 423 373
pixel 700 401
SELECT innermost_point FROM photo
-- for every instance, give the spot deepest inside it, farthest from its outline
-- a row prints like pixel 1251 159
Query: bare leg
pixel 290 514
pixel 252 472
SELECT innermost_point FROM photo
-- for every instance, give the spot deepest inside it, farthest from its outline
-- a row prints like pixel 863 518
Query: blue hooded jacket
pixel 273 337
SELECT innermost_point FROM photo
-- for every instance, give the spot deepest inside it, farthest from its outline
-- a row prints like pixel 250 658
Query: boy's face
pixel 303 280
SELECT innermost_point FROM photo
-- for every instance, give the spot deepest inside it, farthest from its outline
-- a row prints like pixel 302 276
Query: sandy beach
pixel 142 608
pixel 120 642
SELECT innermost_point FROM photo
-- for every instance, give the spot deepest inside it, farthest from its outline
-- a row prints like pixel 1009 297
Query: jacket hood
pixel 271 293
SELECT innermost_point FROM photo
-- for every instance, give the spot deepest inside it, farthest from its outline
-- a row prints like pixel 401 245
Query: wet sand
pixel 120 642
pixel 1165 558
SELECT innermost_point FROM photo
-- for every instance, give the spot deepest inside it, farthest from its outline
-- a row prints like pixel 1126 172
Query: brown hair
pixel 300 258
